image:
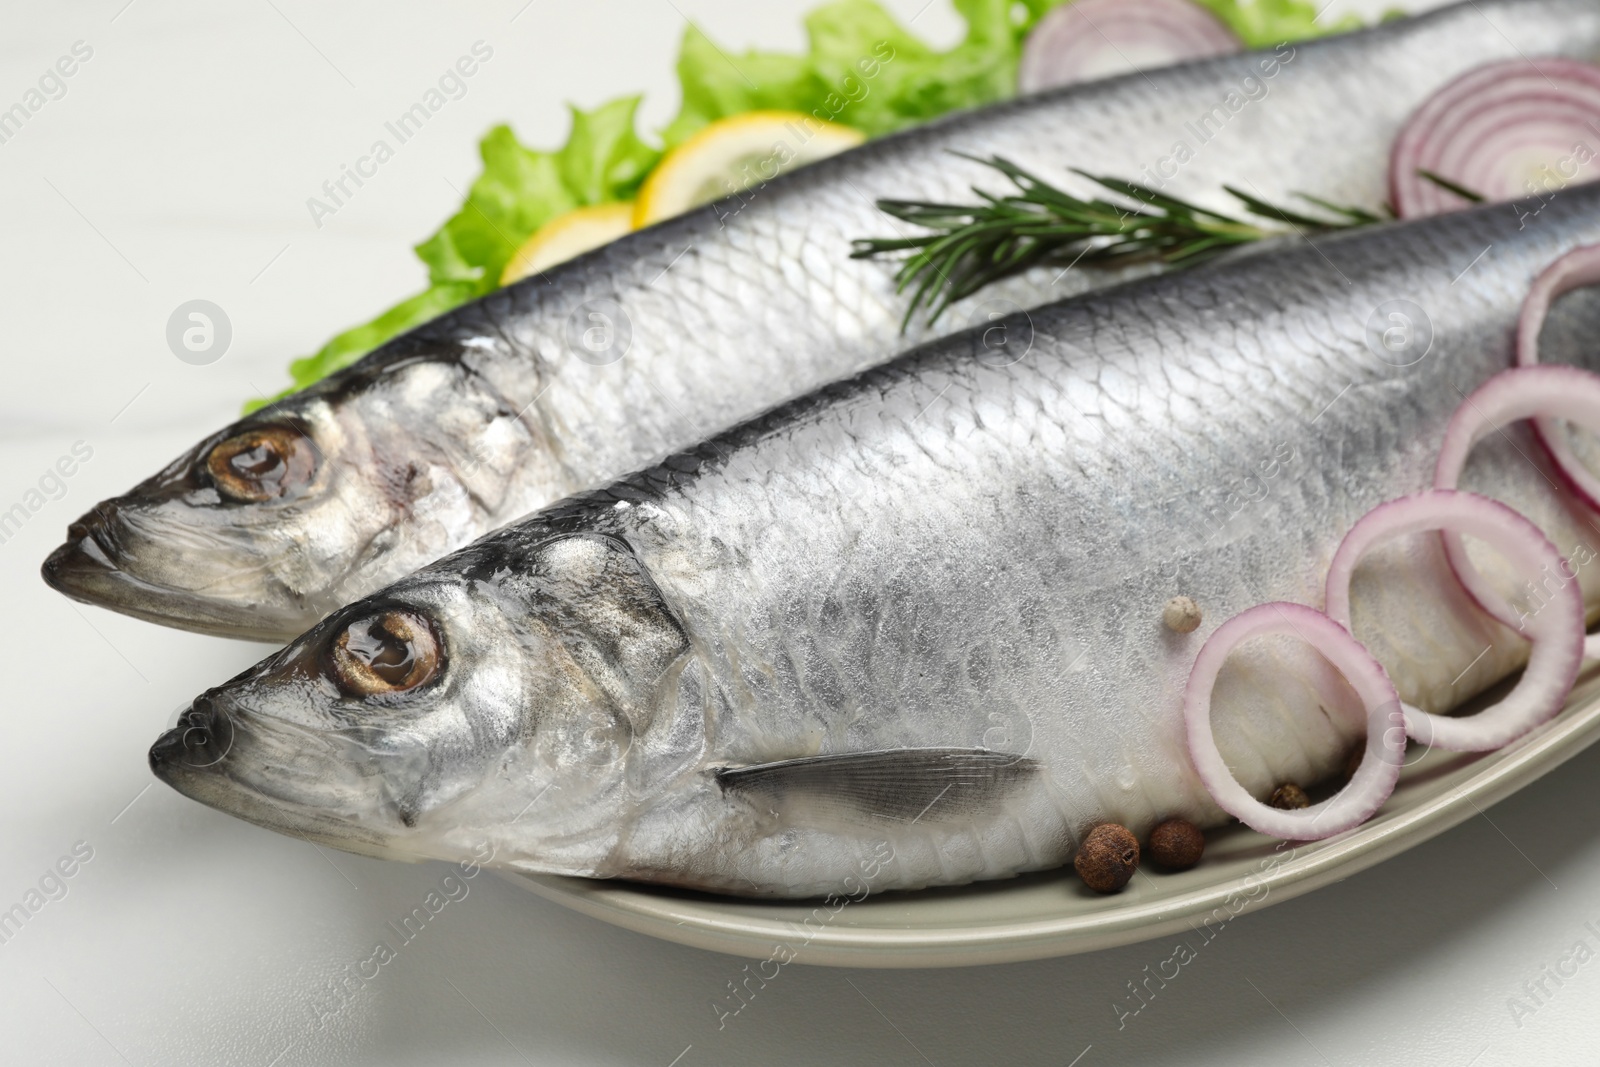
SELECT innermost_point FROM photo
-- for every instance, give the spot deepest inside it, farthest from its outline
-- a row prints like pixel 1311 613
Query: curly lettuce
pixel 860 68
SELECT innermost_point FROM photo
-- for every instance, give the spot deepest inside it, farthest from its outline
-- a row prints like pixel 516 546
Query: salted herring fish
pixel 917 614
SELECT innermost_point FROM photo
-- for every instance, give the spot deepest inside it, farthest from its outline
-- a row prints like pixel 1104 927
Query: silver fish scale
pixel 778 265
pixel 943 553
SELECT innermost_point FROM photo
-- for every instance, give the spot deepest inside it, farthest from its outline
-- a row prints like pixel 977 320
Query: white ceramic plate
pixel 1052 914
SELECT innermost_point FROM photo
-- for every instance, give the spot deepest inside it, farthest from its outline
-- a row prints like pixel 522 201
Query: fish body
pixel 911 624
pixel 602 365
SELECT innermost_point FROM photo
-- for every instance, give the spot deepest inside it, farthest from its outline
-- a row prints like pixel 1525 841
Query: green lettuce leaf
pixel 717 84
pixel 1265 23
pixel 523 188
pixel 861 69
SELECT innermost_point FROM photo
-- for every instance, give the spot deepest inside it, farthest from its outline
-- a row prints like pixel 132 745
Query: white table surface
pixel 177 166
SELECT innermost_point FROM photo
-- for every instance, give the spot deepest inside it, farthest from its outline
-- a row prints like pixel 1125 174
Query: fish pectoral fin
pixel 903 784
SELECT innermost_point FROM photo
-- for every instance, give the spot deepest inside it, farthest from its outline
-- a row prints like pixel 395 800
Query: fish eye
pixel 390 652
pixel 263 463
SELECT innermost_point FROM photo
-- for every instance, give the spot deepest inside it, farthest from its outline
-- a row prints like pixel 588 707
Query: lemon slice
pixel 731 155
pixel 565 236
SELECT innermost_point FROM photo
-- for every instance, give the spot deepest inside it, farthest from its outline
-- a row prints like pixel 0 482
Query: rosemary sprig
pixel 971 246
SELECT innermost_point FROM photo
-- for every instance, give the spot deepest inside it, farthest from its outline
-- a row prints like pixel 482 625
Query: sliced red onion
pixel 1556 628
pixel 1090 39
pixel 1504 131
pixel 1524 392
pixel 1576 269
pixel 1380 764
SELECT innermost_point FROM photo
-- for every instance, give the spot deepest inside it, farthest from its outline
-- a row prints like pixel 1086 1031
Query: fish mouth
pixel 79 567
pixel 83 569
pixel 199 758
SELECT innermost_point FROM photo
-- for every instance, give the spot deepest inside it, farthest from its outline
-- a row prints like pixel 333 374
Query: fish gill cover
pixel 604 160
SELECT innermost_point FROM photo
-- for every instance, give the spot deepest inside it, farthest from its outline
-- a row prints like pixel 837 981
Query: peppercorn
pixel 1107 858
pixel 1182 615
pixel 1177 844
pixel 1289 796
pixel 1353 761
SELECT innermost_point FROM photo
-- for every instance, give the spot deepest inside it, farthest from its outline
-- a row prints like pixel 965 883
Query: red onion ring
pixel 1557 629
pixel 1522 393
pixel 1380 765
pixel 1090 39
pixel 1576 269
pixel 1490 130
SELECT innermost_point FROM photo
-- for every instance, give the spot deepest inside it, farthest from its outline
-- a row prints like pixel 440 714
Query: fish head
pixel 235 520
pixel 470 707
pixel 263 528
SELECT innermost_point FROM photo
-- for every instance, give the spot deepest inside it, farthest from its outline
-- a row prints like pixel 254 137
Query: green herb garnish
pixel 972 246
pixel 1450 187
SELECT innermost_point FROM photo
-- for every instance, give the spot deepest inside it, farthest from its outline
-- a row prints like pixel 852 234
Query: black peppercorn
pixel 1177 844
pixel 1289 796
pixel 1107 858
